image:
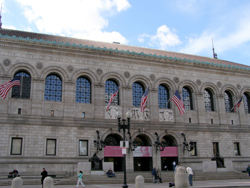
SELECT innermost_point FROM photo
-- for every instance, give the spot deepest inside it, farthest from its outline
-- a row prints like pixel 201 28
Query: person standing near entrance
pixel 80 180
pixel 190 175
pixel 174 164
pixel 44 175
pixel 248 170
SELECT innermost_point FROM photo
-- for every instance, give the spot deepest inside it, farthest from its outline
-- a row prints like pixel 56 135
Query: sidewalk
pixel 240 183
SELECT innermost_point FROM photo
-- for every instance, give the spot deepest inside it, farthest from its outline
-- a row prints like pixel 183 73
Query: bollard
pixel 17 183
pixel 48 182
pixel 139 182
pixel 181 178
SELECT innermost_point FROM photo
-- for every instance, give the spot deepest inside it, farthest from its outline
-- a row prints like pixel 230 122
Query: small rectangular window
pixel 83 114
pixel 190 120
pixel 52 113
pixel 216 149
pixel 19 111
pixel 16 146
pixel 237 148
pixel 232 121
pixel 193 152
pixel 51 147
pixel 83 147
pixel 212 121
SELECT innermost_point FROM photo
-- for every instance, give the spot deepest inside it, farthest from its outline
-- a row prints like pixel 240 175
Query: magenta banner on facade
pixel 169 152
pixel 113 151
pixel 143 151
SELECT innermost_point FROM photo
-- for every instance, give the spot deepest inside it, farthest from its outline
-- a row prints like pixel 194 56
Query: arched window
pixel 246 100
pixel 208 99
pixel 110 89
pixel 187 98
pixel 138 91
pixel 22 92
pixel 228 101
pixel 163 96
pixel 83 90
pixel 53 88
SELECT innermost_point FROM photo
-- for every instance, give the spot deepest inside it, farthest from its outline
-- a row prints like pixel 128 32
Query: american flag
pixel 144 100
pixel 237 105
pixel 179 103
pixel 4 88
pixel 112 97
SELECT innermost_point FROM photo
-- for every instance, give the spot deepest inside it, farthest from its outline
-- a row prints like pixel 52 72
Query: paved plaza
pixel 198 184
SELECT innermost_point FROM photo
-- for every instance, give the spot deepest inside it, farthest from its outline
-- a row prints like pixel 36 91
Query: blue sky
pixel 185 26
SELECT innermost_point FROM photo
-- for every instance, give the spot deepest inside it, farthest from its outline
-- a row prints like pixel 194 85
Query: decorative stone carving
pixel 111 113
pixel 99 72
pixel 126 74
pixel 70 68
pixel 136 114
pixel 39 65
pixel 6 62
pixel 166 115
pixel 238 86
pixel 198 82
pixel 176 80
pixel 152 77
pixel 219 84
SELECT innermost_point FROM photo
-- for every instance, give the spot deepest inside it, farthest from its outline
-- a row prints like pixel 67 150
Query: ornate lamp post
pixel 186 146
pixel 99 144
pixel 159 146
pixel 123 126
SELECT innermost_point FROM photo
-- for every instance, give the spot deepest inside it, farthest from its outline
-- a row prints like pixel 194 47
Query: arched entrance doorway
pixel 170 153
pixel 113 152
pixel 142 153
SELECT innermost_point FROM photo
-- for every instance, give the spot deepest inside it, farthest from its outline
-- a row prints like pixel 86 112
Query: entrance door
pixel 167 163
pixel 142 163
pixel 118 162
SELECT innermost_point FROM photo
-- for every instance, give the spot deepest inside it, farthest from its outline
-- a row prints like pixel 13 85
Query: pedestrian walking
pixel 80 180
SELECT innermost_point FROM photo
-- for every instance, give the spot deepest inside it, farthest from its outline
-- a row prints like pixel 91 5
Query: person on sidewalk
pixel 154 173
pixel 110 173
pixel 80 180
pixel 248 170
pixel 44 175
pixel 190 175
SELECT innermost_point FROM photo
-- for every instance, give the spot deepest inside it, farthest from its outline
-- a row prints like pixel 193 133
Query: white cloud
pixel 164 38
pixel 75 17
pixel 229 36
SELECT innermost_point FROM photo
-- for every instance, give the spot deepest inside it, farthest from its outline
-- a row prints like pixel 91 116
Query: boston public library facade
pixel 54 117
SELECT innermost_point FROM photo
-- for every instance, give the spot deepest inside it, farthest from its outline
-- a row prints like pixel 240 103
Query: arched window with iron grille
pixel 163 96
pixel 110 89
pixel 23 91
pixel 187 98
pixel 208 100
pixel 83 90
pixel 228 99
pixel 138 91
pixel 53 88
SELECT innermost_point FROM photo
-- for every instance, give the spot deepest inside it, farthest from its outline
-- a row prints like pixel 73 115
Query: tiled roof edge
pixel 125 52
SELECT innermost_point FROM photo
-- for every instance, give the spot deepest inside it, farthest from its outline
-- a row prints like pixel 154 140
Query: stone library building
pixel 60 117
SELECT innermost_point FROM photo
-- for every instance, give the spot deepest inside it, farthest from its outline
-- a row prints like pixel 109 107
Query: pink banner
pixel 113 151
pixel 143 151
pixel 169 152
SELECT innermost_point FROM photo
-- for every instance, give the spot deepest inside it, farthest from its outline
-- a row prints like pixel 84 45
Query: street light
pixel 99 144
pixel 123 126
pixel 159 146
pixel 186 146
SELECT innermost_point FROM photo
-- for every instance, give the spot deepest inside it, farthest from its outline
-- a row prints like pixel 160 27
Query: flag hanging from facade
pixel 179 102
pixel 237 105
pixel 112 97
pixel 4 88
pixel 144 100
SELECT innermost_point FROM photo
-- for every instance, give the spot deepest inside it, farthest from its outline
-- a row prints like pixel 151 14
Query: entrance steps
pixel 61 179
